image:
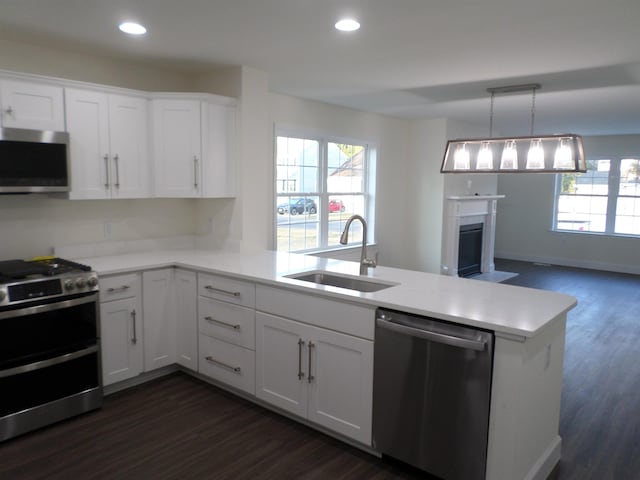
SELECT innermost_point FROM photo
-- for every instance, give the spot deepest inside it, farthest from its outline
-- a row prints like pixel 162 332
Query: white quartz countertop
pixel 502 308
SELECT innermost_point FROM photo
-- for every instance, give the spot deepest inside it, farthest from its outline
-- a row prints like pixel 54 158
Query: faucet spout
pixel 365 262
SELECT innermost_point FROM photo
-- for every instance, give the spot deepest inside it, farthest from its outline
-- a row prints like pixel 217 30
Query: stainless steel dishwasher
pixel 431 394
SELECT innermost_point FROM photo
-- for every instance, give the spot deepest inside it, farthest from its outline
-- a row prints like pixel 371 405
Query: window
pixel 320 183
pixel 605 199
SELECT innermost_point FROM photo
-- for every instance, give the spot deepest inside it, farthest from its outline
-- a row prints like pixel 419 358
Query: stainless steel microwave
pixel 34 161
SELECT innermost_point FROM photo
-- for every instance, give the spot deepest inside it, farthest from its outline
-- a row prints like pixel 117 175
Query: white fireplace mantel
pixel 466 210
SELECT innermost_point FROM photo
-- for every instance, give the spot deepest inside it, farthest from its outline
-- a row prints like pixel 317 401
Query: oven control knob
pixel 81 282
pixel 69 285
pixel 92 281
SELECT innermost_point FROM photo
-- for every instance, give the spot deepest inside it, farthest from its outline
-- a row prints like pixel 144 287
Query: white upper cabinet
pixel 193 146
pixel 35 106
pixel 219 150
pixel 109 145
pixel 177 148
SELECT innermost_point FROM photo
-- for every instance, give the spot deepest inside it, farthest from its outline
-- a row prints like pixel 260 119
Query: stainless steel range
pixel 49 343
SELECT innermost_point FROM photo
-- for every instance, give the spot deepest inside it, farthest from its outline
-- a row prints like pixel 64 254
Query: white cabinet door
pixel 109 138
pixel 341 383
pixel 186 289
pixel 176 145
pixel 88 126
pixel 121 339
pixel 159 318
pixel 281 363
pixel 219 150
pixel 129 146
pixel 32 105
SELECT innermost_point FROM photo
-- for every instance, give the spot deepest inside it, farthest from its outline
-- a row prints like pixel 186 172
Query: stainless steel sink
pixel 342 281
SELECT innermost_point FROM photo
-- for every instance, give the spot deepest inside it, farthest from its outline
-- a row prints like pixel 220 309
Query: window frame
pixel 323 195
pixel 613 194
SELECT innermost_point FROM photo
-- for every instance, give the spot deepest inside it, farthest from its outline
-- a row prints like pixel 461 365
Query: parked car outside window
pixel 297 206
pixel 336 206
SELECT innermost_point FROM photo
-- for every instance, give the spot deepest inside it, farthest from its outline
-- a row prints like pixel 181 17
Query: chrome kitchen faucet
pixel 365 262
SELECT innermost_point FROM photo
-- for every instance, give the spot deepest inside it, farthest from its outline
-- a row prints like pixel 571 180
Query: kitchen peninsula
pixel 255 292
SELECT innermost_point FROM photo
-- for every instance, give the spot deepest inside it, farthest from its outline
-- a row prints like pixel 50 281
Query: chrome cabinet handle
pixel 134 340
pixel 121 288
pixel 195 171
pixel 300 372
pixel 210 359
pixel 310 377
pixel 116 161
pixel 106 170
pixel 219 290
pixel 219 322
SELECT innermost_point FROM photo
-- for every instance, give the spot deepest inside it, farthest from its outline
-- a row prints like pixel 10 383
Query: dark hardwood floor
pixel 600 410
pixel 180 428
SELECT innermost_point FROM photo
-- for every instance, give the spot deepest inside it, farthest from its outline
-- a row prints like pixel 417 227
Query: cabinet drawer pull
pixel 219 322
pixel 106 170
pixel 220 290
pixel 121 288
pixel 210 359
pixel 116 161
pixel 195 171
pixel 300 372
pixel 310 377
pixel 9 110
pixel 134 340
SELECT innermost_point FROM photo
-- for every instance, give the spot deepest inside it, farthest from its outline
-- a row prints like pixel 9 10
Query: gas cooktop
pixel 28 280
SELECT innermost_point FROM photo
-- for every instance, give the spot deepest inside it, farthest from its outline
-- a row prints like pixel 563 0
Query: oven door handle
pixel 48 307
pixel 30 367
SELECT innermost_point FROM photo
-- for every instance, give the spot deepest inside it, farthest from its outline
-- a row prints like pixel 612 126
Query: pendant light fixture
pixel 530 154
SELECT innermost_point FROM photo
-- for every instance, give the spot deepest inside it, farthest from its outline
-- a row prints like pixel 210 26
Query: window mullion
pixel 614 189
pixel 323 213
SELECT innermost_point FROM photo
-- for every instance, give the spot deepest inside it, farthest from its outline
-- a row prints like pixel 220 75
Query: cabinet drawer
pixel 231 323
pixel 119 286
pixel 227 363
pixel 357 320
pixel 227 290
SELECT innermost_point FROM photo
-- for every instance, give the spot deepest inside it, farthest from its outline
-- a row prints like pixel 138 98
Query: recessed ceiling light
pixel 132 28
pixel 347 25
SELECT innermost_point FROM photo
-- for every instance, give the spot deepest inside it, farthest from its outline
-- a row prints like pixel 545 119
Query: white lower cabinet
pixel 159 319
pixel 315 373
pixel 186 289
pixel 121 328
pixel 226 326
pixel 227 363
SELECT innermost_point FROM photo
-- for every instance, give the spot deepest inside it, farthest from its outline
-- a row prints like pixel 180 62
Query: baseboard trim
pixel 565 262
pixel 547 461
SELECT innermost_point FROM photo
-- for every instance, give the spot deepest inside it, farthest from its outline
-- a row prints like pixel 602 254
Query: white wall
pixel 525 216
pixel 32 225
pixel 39 60
pixel 391 136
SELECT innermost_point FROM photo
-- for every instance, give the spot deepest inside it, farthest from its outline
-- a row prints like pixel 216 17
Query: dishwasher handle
pixel 478 345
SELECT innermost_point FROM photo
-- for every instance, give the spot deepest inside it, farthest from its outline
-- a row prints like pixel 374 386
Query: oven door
pixel 49 363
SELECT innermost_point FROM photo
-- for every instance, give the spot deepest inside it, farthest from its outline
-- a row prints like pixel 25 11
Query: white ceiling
pixel 411 58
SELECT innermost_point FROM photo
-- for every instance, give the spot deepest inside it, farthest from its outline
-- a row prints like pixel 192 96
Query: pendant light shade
pixel 485 157
pixel 543 153
pixel 461 160
pixel 535 156
pixel 509 159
